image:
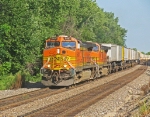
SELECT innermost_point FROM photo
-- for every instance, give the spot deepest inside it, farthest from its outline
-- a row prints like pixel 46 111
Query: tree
pixel 25 24
pixel 148 53
pixel 142 52
pixel 135 49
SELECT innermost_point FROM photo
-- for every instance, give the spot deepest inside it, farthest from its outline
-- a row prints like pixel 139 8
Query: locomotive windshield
pixel 69 44
pixel 51 44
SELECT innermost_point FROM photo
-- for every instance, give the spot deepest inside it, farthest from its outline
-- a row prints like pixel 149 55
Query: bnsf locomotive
pixel 67 60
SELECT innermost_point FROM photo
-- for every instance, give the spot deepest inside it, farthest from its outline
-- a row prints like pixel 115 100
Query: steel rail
pixel 76 104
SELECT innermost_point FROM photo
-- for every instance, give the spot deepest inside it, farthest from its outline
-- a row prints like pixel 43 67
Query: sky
pixel 134 16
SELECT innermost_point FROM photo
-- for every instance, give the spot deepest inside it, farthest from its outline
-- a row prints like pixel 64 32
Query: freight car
pixel 67 60
pixel 114 55
pixel 143 57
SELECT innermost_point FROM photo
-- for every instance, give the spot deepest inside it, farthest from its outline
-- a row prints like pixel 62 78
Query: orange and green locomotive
pixel 67 61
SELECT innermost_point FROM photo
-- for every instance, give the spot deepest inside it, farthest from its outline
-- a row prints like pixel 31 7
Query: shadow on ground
pixel 39 85
pixel 33 85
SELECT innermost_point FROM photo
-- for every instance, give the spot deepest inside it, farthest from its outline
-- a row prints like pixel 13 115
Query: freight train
pixel 68 61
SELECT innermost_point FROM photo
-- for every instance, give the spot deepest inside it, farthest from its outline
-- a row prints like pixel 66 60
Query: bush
pixel 29 77
pixel 11 81
pixel 17 80
pixel 6 82
pixel 5 68
pixel 144 109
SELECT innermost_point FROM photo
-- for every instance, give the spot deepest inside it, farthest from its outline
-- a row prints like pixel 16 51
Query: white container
pixel 132 54
pixel 114 53
pixel 141 56
pixel 136 55
pixel 126 54
pixel 148 57
pixel 129 54
pixel 119 53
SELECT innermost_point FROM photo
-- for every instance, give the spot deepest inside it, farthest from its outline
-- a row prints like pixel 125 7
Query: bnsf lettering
pixel 56 59
pixel 59 58
pixel 66 58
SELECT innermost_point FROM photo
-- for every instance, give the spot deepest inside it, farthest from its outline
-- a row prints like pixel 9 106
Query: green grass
pixel 6 81
pixel 144 109
pixel 10 81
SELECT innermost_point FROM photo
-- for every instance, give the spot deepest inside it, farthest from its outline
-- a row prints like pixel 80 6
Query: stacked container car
pixel 135 57
pixel 129 54
pixel 148 57
pixel 138 56
pixel 143 57
pixel 115 56
pixel 127 57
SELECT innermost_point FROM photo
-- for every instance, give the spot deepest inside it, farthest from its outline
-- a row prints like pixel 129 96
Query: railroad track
pixel 76 104
pixel 24 98
pixel 134 108
pixel 131 108
pixel 17 100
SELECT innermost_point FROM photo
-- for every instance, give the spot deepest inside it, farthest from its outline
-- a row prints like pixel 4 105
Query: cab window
pixel 69 44
pixel 51 44
pixel 95 48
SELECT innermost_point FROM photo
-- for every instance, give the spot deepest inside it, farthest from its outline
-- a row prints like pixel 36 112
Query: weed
pixel 144 109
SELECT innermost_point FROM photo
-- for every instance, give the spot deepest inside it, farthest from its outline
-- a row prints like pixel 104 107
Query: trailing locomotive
pixel 67 60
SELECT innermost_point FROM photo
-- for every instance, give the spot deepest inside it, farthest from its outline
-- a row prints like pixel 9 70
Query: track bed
pixel 75 104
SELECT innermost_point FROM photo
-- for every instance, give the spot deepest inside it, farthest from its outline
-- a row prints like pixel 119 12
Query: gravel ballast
pixel 102 108
pixel 109 106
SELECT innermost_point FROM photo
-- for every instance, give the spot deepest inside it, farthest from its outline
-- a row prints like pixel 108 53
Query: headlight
pixel 58 51
pixel 48 65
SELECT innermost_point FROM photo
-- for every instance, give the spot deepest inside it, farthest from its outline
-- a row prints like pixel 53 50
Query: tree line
pixel 26 24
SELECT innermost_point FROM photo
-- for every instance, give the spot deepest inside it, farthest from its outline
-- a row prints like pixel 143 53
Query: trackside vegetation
pixel 25 24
